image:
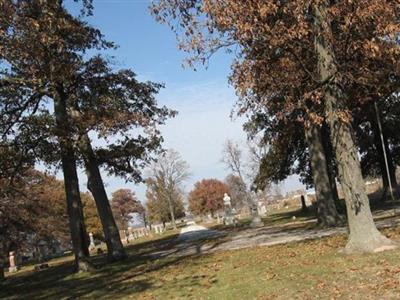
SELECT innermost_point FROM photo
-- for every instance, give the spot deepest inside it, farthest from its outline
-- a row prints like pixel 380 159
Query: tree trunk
pixel 329 155
pixel 381 159
pixel 74 205
pixel 2 258
pixel 145 221
pixel 364 236
pixel 171 212
pixel 326 210
pixel 304 207
pixel 2 266
pixel 96 186
pixel 391 165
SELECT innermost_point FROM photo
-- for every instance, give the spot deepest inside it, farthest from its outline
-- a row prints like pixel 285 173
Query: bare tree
pixel 257 150
pixel 168 174
pixel 233 159
pixel 237 191
pixel 245 168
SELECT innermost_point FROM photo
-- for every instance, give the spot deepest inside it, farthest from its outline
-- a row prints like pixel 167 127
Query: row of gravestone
pixel 132 234
pixel 135 233
pixel 38 256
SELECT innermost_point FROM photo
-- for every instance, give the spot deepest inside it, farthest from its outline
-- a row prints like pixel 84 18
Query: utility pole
pixel 378 119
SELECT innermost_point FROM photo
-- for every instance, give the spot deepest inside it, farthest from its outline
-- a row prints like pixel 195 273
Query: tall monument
pixel 228 216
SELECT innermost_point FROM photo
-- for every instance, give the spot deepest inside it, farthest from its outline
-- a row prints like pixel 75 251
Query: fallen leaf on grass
pixel 390 284
pixel 212 280
pixel 321 285
pixel 270 276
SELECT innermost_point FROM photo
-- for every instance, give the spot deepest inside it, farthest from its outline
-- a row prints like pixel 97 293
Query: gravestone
pixel 123 236
pixel 13 266
pixel 42 251
pixel 218 218
pixel 130 237
pixel 158 228
pixel 141 232
pixel 262 210
pixel 228 216
pixel 209 218
pixel 92 246
pixel 253 206
pixel 303 203
pixel 255 218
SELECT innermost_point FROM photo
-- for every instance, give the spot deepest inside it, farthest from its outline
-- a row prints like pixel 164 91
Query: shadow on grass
pixel 112 280
pixel 287 217
pixel 306 220
pixel 135 274
pixel 279 219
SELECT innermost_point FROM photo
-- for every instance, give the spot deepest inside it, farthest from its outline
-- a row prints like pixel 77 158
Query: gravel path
pixel 195 239
pixel 194 232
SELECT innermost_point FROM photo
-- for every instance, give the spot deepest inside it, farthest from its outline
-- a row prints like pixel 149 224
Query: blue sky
pixel 203 97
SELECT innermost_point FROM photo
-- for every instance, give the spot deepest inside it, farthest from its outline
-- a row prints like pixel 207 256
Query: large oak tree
pixel 44 62
pixel 321 56
pixel 42 47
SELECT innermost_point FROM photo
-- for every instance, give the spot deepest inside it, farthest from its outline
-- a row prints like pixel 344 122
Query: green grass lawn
pixel 306 270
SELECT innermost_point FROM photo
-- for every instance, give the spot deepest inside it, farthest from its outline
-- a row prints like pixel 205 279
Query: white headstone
pixel 158 228
pixel 262 210
pixel 92 246
pixel 228 217
pixel 131 237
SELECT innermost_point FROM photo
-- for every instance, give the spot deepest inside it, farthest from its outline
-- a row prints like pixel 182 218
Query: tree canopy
pixel 124 204
pixel 317 60
pixel 207 196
